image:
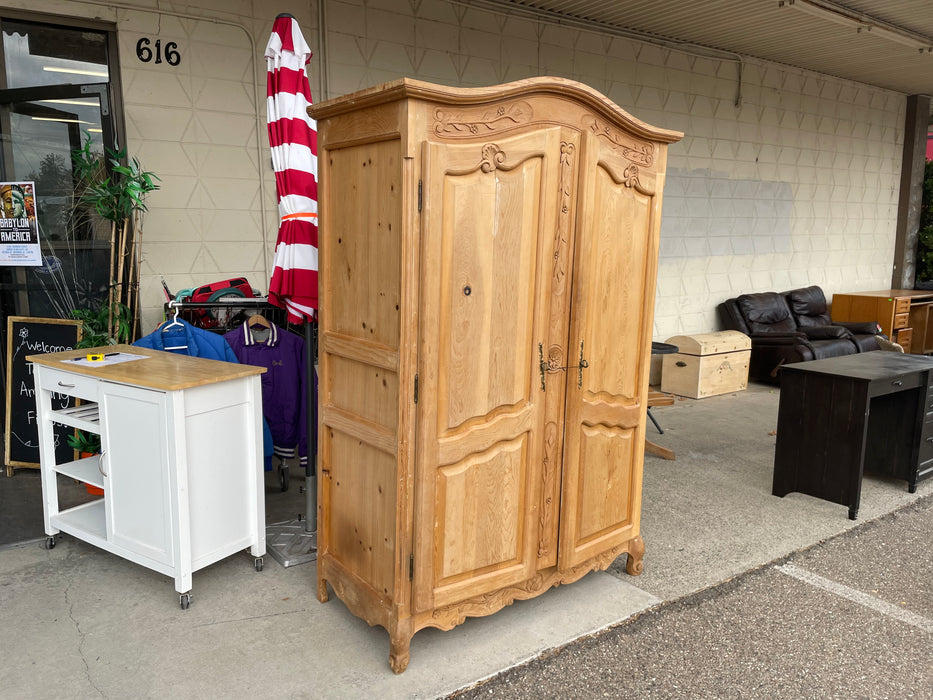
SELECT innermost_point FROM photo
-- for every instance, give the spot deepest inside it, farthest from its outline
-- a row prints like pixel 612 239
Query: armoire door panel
pixel 487 252
pixel 488 266
pixel 481 520
pixel 605 494
pixel 611 319
pixel 612 279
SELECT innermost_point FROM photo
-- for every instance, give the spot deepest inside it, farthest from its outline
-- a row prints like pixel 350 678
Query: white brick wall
pixel 797 185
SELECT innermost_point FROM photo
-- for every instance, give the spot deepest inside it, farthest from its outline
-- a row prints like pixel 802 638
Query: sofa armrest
pixel 860 327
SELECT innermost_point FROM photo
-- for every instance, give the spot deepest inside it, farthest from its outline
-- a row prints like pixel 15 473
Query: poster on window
pixel 19 234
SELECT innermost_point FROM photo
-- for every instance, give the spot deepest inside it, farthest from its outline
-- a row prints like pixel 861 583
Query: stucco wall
pixel 794 185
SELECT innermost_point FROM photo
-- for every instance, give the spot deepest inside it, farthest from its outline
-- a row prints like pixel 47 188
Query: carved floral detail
pixel 630 176
pixel 492 157
pixel 450 616
pixel 559 273
pixel 485 120
pixel 636 151
pixel 548 476
pixel 555 358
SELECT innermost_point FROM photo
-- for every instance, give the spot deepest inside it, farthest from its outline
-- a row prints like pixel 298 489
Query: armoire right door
pixel 615 246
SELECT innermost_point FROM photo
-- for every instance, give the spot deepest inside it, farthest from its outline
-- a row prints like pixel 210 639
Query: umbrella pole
pixel 311 412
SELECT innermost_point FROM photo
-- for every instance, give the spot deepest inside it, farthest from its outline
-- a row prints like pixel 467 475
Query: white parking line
pixel 856 596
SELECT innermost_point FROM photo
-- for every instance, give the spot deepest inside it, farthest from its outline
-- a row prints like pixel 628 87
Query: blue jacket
pixel 284 385
pixel 184 339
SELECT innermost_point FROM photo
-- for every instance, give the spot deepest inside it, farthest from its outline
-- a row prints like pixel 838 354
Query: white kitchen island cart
pixel 181 463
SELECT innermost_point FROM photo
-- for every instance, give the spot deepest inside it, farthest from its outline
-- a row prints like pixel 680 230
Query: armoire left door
pixel 487 246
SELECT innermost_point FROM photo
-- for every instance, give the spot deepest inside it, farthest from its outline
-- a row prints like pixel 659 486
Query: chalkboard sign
pixel 33 336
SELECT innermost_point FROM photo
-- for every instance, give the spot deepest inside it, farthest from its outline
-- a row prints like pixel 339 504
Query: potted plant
pixel 108 325
pixel 87 444
pixel 116 188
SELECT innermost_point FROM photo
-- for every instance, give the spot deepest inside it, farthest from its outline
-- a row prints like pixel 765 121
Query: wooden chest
pixel 707 364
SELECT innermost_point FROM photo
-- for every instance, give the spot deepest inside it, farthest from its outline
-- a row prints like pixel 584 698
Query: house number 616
pixel 146 54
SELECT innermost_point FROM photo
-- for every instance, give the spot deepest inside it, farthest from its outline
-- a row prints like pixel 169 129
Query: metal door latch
pixel 547 368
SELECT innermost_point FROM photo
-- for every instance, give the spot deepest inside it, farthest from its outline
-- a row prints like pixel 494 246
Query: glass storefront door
pixel 40 128
pixel 54 96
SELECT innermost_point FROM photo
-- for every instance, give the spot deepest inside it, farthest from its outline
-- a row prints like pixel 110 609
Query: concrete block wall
pixel 785 177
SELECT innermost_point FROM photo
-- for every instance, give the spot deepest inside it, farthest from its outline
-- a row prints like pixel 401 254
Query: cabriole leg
pixel 636 550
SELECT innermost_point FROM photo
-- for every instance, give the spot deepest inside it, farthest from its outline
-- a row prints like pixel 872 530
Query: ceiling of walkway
pixel 885 43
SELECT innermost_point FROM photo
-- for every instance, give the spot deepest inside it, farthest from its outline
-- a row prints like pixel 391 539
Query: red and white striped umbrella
pixel 293 140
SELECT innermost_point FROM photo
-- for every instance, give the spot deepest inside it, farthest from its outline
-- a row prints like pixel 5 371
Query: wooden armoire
pixel 488 262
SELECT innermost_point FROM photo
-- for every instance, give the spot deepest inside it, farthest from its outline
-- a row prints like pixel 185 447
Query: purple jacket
pixel 284 385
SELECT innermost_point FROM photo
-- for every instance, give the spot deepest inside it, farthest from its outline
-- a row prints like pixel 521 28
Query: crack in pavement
pixel 83 637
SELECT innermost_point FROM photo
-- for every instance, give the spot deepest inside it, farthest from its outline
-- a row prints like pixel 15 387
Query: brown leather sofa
pixel 793 326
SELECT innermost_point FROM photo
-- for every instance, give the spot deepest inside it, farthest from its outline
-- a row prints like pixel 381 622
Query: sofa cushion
pixel 766 312
pixel 809 307
pixel 836 347
pixel 825 332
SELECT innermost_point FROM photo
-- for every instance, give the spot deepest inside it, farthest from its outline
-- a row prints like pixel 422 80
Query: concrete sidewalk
pixel 81 623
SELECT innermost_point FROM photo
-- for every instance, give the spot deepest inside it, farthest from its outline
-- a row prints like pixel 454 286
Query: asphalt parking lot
pixel 850 617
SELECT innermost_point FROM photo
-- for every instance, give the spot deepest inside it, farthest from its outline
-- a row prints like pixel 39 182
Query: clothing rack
pixel 275 314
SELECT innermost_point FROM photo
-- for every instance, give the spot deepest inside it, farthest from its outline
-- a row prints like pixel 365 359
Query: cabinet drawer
pixel 901 320
pixel 70 384
pixel 902 338
pixel 901 305
pixel 902 383
pixel 925 453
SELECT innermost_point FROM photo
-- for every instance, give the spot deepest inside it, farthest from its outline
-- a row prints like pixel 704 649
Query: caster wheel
pixel 50 543
pixel 258 563
pixel 184 600
pixel 283 477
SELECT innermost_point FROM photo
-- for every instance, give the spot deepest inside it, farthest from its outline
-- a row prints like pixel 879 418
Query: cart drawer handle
pixel 67 386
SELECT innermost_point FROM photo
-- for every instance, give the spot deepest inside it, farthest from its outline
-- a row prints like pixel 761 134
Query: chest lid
pixel 711 343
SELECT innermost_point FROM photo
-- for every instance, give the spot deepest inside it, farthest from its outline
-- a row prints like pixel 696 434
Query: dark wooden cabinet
pixel 844 416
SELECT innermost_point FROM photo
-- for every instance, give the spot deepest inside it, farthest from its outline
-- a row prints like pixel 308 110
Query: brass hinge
pixel 411 567
pixel 419 196
pixel 416 388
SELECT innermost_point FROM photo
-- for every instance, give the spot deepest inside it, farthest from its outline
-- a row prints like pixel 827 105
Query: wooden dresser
pixel 902 313
pixel 487 279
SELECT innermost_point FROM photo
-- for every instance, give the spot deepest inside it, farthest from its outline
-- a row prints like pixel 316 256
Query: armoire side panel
pixel 359 339
pixel 361 486
pixel 362 242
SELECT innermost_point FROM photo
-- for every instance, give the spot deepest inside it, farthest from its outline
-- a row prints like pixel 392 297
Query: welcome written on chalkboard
pixel 33 336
